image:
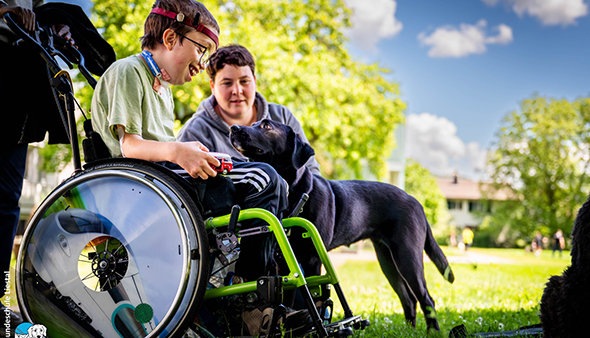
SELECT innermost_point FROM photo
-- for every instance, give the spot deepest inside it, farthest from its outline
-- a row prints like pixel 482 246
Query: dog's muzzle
pixel 238 136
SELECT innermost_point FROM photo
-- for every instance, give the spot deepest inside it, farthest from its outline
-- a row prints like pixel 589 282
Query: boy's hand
pixel 194 158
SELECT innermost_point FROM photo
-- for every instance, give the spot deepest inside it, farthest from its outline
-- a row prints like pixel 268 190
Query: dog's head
pixel 273 143
pixel 37 331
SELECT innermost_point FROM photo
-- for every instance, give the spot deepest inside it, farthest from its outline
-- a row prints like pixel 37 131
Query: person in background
pixel 558 242
pixel 467 237
pixel 537 243
pixel 453 237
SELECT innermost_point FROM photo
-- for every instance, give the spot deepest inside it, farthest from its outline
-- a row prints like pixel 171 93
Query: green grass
pixel 484 297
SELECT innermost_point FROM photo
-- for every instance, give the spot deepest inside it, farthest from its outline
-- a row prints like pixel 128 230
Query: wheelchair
pixel 120 249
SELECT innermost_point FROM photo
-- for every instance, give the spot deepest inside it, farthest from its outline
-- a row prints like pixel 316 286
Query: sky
pixel 462 66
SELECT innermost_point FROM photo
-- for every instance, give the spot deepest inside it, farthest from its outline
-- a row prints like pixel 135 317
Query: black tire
pixel 91 205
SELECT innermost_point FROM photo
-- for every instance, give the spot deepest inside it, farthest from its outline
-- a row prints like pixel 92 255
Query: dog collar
pixel 180 17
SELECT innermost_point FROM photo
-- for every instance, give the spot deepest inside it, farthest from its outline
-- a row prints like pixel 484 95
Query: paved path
pixel 470 257
pixel 339 258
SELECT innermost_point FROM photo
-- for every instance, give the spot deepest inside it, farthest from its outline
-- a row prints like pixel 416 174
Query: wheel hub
pixel 106 259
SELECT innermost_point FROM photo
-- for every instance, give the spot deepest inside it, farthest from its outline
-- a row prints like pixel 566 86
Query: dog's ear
pixel 301 150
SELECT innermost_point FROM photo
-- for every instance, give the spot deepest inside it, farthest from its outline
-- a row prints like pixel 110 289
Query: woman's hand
pixel 64 32
pixel 22 16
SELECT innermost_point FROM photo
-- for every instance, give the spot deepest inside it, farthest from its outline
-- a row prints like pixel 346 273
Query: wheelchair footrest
pixel 344 327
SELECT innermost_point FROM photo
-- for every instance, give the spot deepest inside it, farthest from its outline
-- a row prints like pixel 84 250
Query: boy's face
pixel 234 88
pixel 183 62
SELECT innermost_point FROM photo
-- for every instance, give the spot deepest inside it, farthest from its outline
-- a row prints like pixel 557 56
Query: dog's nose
pixel 235 128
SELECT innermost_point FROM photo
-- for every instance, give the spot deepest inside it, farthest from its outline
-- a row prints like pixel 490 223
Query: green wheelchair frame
pixel 310 287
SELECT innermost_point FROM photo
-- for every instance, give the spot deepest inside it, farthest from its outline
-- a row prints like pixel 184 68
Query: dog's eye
pixel 266 125
pixel 260 151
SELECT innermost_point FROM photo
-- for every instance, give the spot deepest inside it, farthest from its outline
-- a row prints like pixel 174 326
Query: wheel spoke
pixel 109 283
pixel 120 246
pixel 94 247
pixel 88 276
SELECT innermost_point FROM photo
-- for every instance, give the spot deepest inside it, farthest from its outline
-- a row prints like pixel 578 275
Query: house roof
pixel 466 189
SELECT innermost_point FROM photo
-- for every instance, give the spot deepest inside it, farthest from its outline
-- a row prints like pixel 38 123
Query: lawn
pixel 485 296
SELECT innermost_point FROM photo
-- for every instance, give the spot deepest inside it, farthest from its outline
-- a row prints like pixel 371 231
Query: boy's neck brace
pixel 159 81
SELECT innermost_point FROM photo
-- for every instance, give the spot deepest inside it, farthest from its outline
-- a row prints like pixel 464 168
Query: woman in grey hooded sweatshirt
pixel 235 101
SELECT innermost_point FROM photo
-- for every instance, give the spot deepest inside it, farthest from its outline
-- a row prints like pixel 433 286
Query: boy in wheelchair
pixel 133 111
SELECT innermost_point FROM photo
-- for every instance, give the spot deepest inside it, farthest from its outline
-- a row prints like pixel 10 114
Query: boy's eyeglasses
pixel 204 51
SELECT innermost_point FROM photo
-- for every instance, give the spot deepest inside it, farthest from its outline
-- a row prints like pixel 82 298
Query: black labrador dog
pixel 345 212
pixel 565 300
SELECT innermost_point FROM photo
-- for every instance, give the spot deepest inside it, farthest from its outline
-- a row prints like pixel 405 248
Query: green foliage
pixel 486 235
pixel 348 109
pixel 421 184
pixel 541 158
pixel 490 235
pixel 54 157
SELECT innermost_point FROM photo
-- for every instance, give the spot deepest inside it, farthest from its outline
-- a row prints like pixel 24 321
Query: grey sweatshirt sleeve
pixel 193 131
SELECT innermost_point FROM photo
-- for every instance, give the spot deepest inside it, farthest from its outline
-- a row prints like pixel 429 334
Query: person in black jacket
pixel 28 112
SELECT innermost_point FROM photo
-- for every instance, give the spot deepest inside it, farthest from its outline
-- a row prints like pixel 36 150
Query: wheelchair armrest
pixel 233 219
pixel 94 147
pixel 299 207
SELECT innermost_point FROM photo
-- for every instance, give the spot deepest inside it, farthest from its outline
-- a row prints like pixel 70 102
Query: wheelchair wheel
pixel 118 250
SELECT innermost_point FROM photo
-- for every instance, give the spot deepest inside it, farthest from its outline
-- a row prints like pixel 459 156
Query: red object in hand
pixel 225 163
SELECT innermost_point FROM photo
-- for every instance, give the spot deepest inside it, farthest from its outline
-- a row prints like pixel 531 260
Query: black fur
pixel 348 211
pixel 564 304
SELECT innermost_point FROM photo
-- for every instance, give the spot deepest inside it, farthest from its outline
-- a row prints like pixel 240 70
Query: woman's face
pixel 234 88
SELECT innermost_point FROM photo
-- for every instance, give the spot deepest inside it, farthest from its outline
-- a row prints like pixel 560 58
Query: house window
pixel 479 206
pixel 454 204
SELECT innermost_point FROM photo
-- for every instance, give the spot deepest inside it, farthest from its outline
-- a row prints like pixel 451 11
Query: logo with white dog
pixel 28 330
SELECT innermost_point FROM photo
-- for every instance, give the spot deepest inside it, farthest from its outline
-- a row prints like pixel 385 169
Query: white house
pixel 464 198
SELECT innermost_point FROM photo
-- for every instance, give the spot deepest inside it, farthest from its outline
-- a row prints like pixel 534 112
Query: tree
pixel 542 156
pixel 348 109
pixel 421 184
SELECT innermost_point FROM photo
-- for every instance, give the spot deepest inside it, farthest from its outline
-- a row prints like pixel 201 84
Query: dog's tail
pixel 436 255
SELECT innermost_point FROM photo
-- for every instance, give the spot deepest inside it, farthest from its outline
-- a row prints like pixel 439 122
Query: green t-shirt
pixel 124 96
